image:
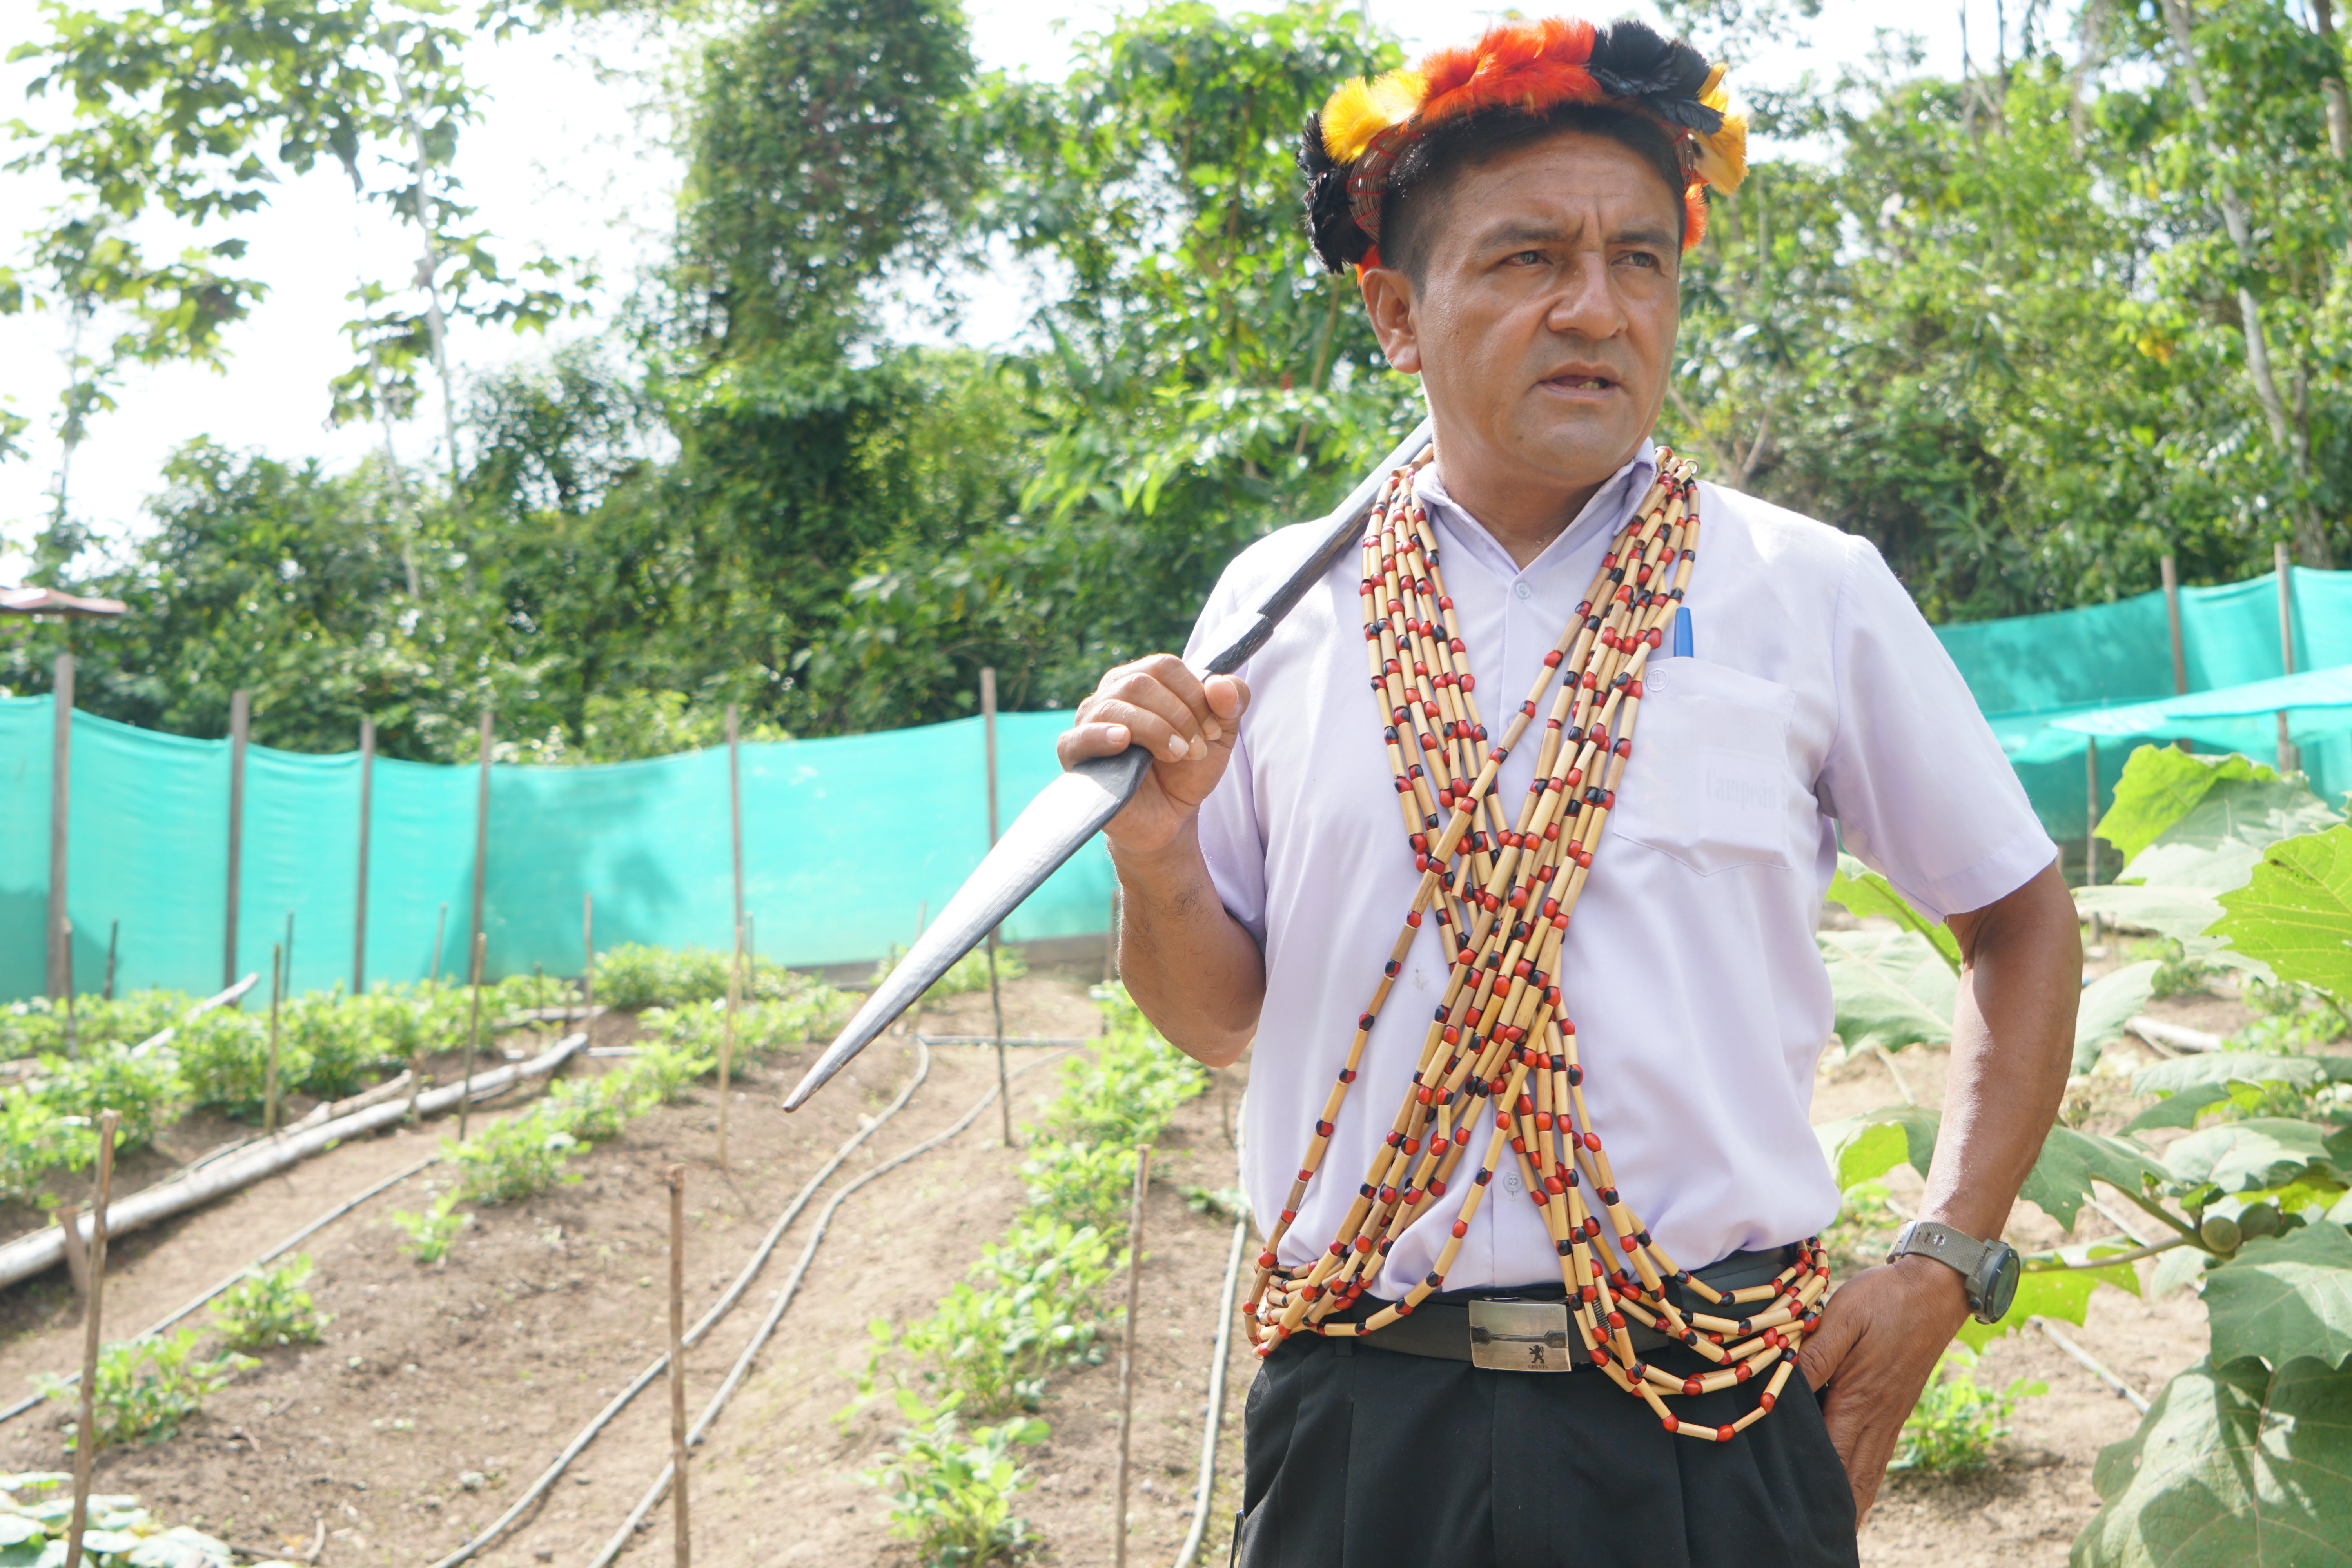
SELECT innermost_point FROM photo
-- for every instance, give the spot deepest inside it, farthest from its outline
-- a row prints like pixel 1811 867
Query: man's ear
pixel 1388 300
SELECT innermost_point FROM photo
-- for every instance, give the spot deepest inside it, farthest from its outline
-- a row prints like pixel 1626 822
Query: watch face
pixel 1997 1279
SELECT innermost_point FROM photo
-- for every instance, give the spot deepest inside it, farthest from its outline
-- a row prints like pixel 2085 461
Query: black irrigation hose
pixel 291 1242
pixel 660 1364
pixel 1227 1311
pixel 645 1505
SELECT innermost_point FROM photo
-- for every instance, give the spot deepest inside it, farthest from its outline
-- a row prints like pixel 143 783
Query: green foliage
pixel 2233 1464
pixel 1130 1086
pixel 519 1157
pixel 634 975
pixel 2295 914
pixel 223 1060
pixel 952 1497
pixel 1085 1184
pixel 36 1026
pixel 1863 893
pixel 143 1091
pixel 36 1511
pixel 147 1387
pixel 1889 989
pixel 430 1232
pixel 271 1307
pixel 34 1140
pixel 2162 784
pixel 1958 1425
pixel 2284 1298
pixel 1027 1310
pixel 2108 1004
pixel 815 1013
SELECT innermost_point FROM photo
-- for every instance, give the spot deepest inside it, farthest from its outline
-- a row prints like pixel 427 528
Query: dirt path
pixel 439 1394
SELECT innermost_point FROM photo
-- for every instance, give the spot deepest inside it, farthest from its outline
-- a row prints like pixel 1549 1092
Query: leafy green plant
pixel 36 1511
pixel 2249 1207
pixel 1083 1184
pixel 1128 1089
pixel 951 1495
pixel 271 1307
pixel 634 975
pixel 663 1068
pixel 335 1041
pixel 1026 1311
pixel 518 1158
pixel 35 1141
pixel 223 1060
pixel 147 1387
pixel 1958 1425
pixel 143 1091
pixel 431 1232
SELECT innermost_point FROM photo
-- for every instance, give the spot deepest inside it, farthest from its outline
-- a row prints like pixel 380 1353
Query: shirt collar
pixel 1607 511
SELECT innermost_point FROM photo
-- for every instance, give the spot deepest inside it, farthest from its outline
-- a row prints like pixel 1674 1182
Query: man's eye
pixel 1639 259
pixel 1528 258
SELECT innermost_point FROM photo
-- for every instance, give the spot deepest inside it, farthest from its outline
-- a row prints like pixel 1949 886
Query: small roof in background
pixel 51 602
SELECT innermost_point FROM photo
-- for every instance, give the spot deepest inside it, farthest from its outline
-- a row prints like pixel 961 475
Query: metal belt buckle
pixel 1520 1336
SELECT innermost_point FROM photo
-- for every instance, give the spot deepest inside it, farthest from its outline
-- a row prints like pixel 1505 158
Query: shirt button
pixel 1524 590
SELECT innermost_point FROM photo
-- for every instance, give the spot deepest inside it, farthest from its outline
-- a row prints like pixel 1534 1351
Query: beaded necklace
pixel 1499 1044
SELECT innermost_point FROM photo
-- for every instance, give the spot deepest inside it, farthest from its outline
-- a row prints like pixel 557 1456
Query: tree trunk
pixel 2310 534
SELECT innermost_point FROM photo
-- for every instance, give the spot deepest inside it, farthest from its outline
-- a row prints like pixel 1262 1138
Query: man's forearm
pixel 2012 1044
pixel 1195 973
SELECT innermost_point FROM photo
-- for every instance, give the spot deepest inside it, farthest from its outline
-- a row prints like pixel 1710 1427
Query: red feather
pixel 1518 65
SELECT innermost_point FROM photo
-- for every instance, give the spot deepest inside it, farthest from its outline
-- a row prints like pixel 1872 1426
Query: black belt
pixel 1528 1329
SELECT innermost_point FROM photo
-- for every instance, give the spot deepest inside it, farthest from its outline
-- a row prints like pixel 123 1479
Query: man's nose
pixel 1586 306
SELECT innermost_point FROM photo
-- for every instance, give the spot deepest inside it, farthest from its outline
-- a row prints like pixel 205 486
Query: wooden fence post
pixel 684 1549
pixel 2288 760
pixel 240 721
pixel 995 995
pixel 360 897
pixel 86 1431
pixel 59 935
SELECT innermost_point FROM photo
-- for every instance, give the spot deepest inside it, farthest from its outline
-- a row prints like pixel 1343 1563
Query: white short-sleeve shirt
pixel 1815 699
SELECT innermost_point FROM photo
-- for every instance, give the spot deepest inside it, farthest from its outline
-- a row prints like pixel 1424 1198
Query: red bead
pixel 1724 1433
pixel 1670 1424
pixel 1765 1400
pixel 1691 1385
pixel 1461 1228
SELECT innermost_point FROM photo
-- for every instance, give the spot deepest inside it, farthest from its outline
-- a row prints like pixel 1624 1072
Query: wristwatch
pixel 1989 1268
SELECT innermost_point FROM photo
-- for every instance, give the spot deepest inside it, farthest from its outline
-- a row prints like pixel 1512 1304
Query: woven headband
pixel 1530 67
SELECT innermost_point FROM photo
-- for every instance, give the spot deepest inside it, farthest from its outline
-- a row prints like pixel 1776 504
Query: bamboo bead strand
pixel 1498 1044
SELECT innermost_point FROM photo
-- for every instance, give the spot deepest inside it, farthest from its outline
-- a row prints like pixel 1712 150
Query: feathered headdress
pixel 1365 127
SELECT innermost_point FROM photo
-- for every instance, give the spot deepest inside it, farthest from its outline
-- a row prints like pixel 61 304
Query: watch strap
pixel 1956 1250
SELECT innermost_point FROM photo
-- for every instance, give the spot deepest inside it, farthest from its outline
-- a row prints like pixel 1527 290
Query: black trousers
pixel 1356 1456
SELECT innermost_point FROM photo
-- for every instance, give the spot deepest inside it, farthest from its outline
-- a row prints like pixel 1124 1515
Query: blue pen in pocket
pixel 1681 632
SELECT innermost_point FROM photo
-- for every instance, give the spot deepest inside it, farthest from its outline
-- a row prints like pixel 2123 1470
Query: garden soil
pixel 439 1394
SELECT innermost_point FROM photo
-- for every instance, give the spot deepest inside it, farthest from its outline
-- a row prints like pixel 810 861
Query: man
pixel 1516 211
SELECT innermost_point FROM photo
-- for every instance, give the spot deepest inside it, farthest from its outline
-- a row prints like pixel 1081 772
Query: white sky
pixel 570 159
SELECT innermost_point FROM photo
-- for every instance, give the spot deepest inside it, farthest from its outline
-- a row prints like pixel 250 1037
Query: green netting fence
pixel 2028 670
pixel 845 841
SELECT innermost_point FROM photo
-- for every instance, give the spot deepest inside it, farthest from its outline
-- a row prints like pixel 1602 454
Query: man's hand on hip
pixel 1876 1347
pixel 1187 724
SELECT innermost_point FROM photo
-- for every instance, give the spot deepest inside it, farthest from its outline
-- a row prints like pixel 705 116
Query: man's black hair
pixel 1419 182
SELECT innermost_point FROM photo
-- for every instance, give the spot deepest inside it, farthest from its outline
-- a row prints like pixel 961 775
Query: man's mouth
pixel 1581 383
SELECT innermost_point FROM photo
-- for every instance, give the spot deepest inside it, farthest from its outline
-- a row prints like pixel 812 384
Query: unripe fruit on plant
pixel 2262 1219
pixel 2221 1233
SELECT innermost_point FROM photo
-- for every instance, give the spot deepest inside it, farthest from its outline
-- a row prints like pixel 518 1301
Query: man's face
pixel 1545 322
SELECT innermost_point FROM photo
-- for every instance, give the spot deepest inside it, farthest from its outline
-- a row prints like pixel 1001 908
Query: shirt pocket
pixel 1710 780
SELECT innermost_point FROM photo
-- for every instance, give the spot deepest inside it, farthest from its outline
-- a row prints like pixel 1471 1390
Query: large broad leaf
pixel 1890 988
pixel 2064 1293
pixel 2284 1297
pixel 2296 914
pixel 2163 786
pixel 2108 1004
pixel 2191 1084
pixel 2214 847
pixel 2160 785
pixel 2240 1156
pixel 1862 1148
pixel 2060 1179
pixel 1864 892
pixel 2179 914
pixel 2235 1466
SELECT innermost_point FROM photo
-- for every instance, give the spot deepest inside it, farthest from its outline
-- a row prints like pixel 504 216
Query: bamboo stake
pixel 1127 1348
pixel 60 943
pixel 2288 761
pixel 73 1026
pixel 440 935
pixel 86 1429
pixel 473 1036
pixel 727 1038
pixel 113 936
pixel 270 1075
pixel 684 1551
pixel 995 995
pixel 2091 817
pixel 290 953
pixel 735 805
pixel 240 720
pixel 358 903
pixel 2171 575
pixel 481 830
pixel 588 942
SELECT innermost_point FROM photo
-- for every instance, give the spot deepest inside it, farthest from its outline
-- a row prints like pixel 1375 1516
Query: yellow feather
pixel 1723 157
pixel 1359 111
